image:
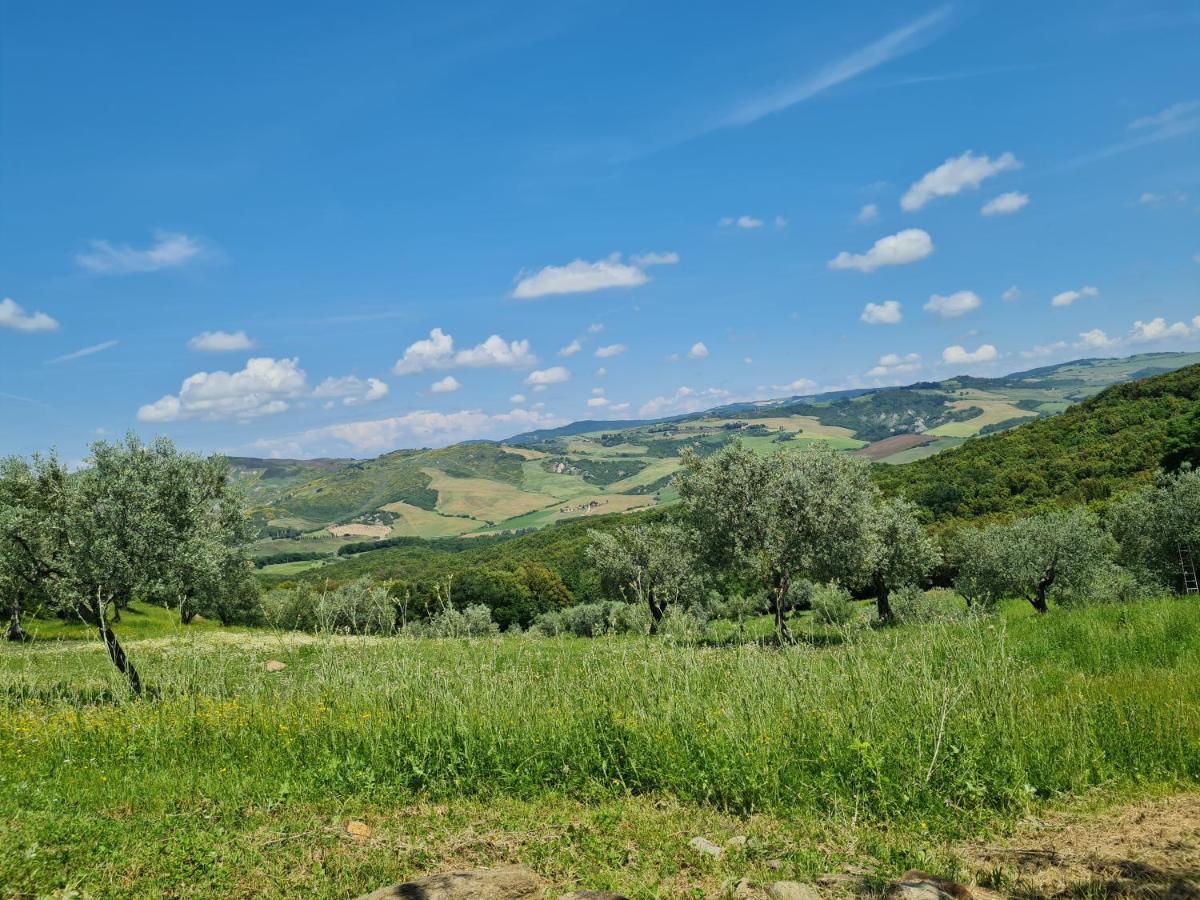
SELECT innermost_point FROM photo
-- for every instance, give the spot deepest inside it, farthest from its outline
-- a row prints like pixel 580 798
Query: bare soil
pixel 1148 849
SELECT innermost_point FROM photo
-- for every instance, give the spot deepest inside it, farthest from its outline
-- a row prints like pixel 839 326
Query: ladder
pixel 1188 566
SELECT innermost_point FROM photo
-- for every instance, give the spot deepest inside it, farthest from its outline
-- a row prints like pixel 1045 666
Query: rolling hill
pixel 306 510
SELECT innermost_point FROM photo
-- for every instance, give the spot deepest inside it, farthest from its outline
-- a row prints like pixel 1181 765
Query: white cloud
pixel 517 398
pixel 907 246
pixel 420 428
pixel 1005 204
pixel 496 352
pixel 597 401
pixel 169 251
pixel 747 222
pixel 958 355
pixel 869 213
pixel 1148 198
pixel 581 277
pixel 957 304
pixel 698 351
pixel 781 222
pixel 262 388
pixel 885 313
pixel 221 341
pixel 350 390
pixel 685 399
pixel 1012 295
pixel 1066 298
pixel 13 315
pixel 571 349
pixel 595 328
pixel 86 351
pixel 437 352
pixel 1094 339
pixel 601 372
pixel 954 175
pixel 543 377
pixel 610 350
pixel 447 385
pixel 1168 116
pixel 1157 329
pixel 894 364
pixel 799 386
pixel 598 391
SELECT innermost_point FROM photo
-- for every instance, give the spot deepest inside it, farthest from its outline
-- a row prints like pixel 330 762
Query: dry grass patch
pixel 482 498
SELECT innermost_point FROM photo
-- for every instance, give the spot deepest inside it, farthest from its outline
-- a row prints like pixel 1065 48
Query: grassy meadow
pixel 594 761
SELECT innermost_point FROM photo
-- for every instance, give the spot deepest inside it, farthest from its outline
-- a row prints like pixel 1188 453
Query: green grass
pixel 594 761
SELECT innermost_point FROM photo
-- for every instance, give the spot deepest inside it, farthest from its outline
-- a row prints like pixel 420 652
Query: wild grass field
pixel 594 761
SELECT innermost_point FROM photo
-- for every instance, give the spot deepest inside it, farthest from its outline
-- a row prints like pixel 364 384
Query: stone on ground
pixel 510 883
pixel 707 847
pixel 274 665
pixel 918 885
pixel 792 890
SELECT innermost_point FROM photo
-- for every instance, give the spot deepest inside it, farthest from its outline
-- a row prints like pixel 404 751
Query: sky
pixel 319 229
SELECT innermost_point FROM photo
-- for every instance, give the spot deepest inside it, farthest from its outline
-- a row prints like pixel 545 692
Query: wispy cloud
pixel 86 351
pixel 169 251
pixel 1175 121
pixel 891 46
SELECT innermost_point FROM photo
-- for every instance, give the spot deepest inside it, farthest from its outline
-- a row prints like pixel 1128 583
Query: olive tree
pixel 123 527
pixel 904 553
pixel 1152 526
pixel 1062 551
pixel 796 514
pixel 651 565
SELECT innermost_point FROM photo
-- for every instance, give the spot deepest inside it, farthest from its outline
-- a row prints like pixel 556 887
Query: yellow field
pixel 359 530
pixel 416 522
pixel 648 475
pixel 491 501
pixel 523 452
pixel 994 411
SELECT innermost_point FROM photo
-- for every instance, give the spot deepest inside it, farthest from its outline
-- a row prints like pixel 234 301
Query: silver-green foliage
pixel 1154 524
pixel 791 515
pixel 651 565
pixel 1062 553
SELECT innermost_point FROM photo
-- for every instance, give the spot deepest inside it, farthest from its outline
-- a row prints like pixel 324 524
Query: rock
pixel 357 829
pixel 775 864
pixel 917 885
pixel 840 880
pixel 593 895
pixel 707 847
pixel 739 840
pixel 792 890
pixel 743 888
pixel 274 665
pixel 510 883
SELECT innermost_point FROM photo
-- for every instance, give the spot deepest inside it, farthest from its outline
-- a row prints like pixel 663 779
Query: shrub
pixel 361 607
pixel 291 609
pixel 831 604
pixel 473 621
pixel 911 605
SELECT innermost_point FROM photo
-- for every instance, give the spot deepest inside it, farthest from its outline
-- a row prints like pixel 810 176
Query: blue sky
pixel 311 229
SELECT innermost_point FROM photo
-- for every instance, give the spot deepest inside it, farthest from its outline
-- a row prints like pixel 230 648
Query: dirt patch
pixel 1151 849
pixel 359 530
pixel 889 446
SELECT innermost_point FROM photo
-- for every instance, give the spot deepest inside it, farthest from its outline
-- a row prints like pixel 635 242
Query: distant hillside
pixel 1100 447
pixel 306 510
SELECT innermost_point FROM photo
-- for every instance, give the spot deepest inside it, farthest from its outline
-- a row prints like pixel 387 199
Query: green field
pixel 593 761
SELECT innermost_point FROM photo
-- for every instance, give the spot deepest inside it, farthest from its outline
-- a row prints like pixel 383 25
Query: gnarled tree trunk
pixel 883 602
pixel 15 631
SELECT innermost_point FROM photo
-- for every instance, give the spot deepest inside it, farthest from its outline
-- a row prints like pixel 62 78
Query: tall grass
pixel 945 724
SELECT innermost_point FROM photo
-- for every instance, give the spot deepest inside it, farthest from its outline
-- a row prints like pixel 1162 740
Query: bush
pixel 1110 584
pixel 831 604
pixel 291 609
pixel 361 607
pixel 911 606
pixel 594 620
pixel 473 621
pixel 682 626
